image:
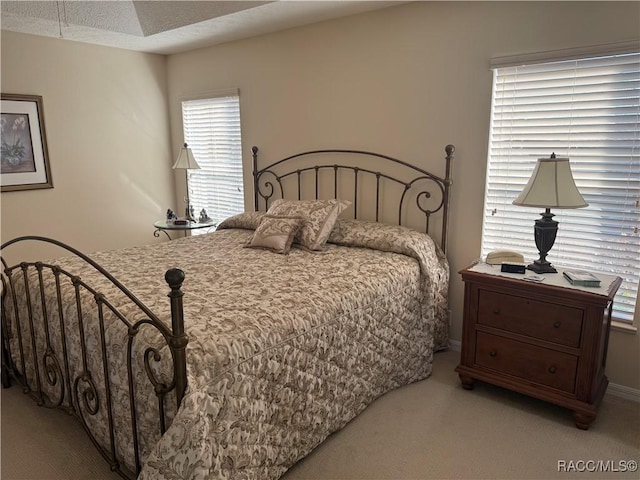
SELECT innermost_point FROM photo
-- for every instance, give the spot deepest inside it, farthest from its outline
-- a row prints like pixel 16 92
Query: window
pixel 212 130
pixel 586 109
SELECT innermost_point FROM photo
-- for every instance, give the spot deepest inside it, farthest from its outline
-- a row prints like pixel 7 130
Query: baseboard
pixel 614 389
pixel 621 391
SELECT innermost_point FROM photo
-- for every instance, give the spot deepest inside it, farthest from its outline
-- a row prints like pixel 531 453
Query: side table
pixel 165 227
pixel 547 340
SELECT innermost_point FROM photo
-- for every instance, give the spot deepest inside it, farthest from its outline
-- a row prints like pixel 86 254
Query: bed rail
pixel 265 180
pixel 82 383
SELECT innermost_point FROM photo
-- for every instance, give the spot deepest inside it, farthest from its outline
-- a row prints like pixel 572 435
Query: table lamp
pixel 551 186
pixel 186 162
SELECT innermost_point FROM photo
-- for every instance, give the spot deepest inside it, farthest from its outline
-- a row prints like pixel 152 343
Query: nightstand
pixel 547 340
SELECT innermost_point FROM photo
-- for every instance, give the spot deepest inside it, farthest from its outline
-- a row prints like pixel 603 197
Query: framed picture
pixel 24 160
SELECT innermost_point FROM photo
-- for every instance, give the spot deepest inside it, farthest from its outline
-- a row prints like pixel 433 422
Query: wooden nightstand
pixel 547 340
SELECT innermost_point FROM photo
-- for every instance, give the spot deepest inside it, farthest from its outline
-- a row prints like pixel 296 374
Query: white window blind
pixel 212 130
pixel 588 110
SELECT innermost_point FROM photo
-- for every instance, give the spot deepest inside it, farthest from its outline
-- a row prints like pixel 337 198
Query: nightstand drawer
pixel 535 364
pixel 554 323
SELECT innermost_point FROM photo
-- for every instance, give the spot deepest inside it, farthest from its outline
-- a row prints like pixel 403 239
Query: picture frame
pixel 24 157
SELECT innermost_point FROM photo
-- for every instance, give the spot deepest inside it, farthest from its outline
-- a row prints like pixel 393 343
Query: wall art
pixel 24 160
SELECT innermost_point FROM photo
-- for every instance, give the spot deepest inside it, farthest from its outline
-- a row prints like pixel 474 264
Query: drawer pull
pixel 496 311
pixel 493 353
pixel 552 369
pixel 556 325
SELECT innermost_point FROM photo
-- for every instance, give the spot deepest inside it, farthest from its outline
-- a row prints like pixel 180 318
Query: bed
pixel 257 356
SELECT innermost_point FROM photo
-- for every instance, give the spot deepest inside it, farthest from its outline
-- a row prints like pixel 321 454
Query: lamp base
pixel 541 267
pixel 188 212
pixel 545 231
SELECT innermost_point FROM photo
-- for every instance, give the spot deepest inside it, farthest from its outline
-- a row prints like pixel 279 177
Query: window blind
pixel 212 130
pixel 588 110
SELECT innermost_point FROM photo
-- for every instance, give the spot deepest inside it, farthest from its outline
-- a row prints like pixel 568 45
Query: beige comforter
pixel 283 349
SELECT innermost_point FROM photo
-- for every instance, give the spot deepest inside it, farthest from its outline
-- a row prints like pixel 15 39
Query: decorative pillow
pixel 246 221
pixel 275 233
pixel 319 218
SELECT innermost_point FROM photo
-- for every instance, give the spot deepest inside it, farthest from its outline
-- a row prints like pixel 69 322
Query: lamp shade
pixel 551 186
pixel 185 160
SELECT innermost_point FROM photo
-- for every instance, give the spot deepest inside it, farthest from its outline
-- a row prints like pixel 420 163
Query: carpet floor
pixel 432 429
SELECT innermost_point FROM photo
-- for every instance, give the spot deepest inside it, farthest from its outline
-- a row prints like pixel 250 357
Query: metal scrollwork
pixel 262 185
pixel 152 354
pixel 421 195
pixel 425 195
pixel 53 372
pixel 90 398
pixel 156 233
pixel 159 387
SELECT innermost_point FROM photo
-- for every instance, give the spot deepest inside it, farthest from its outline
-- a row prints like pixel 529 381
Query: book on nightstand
pixel 581 278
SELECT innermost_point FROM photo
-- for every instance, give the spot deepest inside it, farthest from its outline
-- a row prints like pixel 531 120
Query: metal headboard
pixel 265 180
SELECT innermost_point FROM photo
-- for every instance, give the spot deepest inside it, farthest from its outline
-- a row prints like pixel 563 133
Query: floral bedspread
pixel 283 349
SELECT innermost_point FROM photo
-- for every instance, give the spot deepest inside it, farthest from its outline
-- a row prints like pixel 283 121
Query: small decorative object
pixel 24 160
pixel 204 218
pixel 180 221
pixel 513 267
pixel 534 278
pixel 171 216
pixel 186 162
pixel 551 185
pixel 582 278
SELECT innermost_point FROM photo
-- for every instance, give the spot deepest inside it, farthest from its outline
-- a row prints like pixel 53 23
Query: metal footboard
pixel 65 358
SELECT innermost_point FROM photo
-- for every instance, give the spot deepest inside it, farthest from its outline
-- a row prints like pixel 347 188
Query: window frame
pixel 208 147
pixel 544 58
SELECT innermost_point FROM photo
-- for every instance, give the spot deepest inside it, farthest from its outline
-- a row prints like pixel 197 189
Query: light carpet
pixel 432 429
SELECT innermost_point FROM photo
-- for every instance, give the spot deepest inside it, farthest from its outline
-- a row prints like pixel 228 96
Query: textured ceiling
pixel 168 26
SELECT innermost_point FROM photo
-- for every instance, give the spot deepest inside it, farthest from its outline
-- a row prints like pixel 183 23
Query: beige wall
pixel 106 120
pixel 404 81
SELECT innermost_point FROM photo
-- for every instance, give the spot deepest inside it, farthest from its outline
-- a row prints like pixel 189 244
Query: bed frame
pixel 80 396
pixel 265 179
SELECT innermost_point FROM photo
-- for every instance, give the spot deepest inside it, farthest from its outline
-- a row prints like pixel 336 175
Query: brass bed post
pixel 178 343
pixel 449 149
